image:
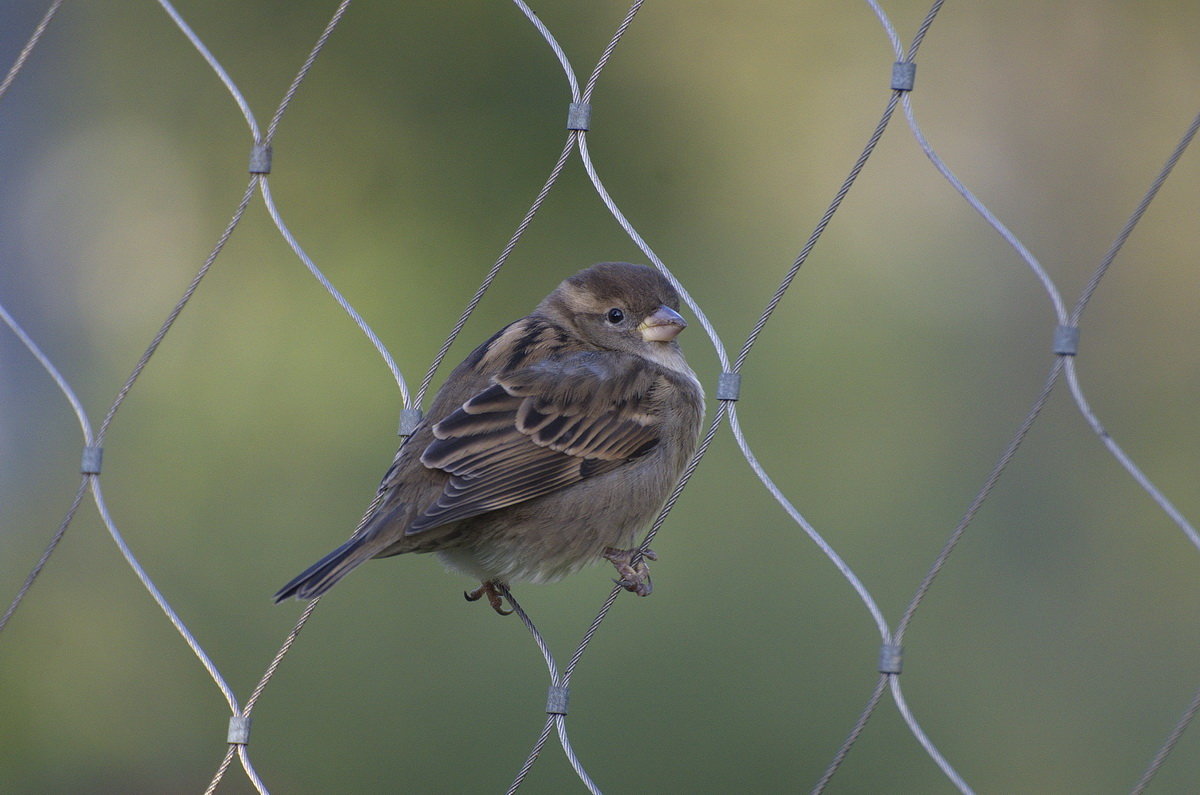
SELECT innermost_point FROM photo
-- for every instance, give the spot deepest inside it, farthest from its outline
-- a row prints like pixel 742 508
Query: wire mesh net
pixel 882 684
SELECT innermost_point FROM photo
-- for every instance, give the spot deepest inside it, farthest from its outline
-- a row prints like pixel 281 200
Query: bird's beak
pixel 663 325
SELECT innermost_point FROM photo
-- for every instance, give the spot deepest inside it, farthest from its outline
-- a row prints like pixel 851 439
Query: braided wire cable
pixel 492 273
pixel 92 480
pixel 85 425
pixel 856 731
pixel 558 720
pixel 55 540
pixel 213 64
pixel 526 220
pixel 1061 362
pixel 888 681
pixel 39 30
pixel 1168 745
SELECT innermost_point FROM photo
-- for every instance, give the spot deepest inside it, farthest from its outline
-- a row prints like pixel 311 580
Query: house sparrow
pixel 548 448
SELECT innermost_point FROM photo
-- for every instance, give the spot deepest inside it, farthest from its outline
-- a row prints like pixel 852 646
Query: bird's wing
pixel 539 429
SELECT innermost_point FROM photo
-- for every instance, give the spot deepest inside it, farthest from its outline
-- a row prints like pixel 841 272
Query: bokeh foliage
pixel 1055 652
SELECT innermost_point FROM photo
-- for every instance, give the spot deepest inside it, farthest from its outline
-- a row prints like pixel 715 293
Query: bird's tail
pixel 322 575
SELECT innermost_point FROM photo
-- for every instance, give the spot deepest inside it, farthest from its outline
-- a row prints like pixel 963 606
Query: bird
pixel 546 449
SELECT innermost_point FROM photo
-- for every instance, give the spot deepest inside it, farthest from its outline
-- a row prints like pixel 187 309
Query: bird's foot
pixel 631 565
pixel 490 589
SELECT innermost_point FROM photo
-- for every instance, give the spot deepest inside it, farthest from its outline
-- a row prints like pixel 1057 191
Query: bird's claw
pixel 490 589
pixel 631 565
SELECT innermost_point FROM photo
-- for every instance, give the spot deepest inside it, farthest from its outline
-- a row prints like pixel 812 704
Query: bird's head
pixel 618 306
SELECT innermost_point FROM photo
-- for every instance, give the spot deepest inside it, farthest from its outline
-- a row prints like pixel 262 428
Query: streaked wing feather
pixel 538 430
pixel 465 498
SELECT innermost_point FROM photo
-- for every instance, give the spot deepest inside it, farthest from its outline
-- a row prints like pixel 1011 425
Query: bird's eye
pixel 615 316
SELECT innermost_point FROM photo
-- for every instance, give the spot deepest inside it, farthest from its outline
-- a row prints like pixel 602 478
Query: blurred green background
pixel 1054 653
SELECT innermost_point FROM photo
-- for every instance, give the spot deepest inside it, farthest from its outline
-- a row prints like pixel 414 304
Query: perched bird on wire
pixel 547 449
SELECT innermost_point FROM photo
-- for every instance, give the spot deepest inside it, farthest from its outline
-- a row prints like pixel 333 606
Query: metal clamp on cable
pixel 89 464
pixel 409 420
pixel 729 386
pixel 1066 340
pixel 904 73
pixel 556 700
pixel 239 730
pixel 891 658
pixel 579 116
pixel 260 159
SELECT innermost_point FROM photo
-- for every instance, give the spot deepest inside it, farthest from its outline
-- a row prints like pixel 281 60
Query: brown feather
pixel 508 451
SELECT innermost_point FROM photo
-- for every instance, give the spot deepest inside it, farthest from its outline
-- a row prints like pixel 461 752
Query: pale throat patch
pixel 670 357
